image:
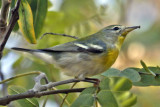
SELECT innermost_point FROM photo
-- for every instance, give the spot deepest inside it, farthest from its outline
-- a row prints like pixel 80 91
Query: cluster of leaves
pixel 112 92
pixel 115 86
pixel 146 76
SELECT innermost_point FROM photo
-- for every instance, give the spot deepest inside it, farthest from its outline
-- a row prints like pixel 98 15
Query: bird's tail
pixel 38 53
pixel 23 49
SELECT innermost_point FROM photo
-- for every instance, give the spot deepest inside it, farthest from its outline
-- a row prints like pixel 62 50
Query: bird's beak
pixel 129 29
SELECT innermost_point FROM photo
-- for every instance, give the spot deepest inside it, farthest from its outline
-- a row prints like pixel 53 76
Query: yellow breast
pixel 108 58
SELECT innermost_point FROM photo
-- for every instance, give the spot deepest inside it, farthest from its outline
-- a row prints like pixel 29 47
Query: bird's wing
pixel 92 46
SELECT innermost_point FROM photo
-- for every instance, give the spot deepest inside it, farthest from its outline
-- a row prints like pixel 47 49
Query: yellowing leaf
pixel 26 22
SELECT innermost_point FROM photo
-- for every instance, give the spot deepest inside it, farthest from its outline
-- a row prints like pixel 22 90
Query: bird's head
pixel 119 30
pixel 117 33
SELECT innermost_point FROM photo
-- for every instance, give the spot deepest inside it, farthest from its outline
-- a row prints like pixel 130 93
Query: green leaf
pixel 138 76
pixel 26 22
pixel 146 80
pixel 112 72
pixel 86 98
pixel 131 74
pixel 104 84
pixel 39 9
pixel 50 4
pixel 107 99
pixel 146 68
pixel 27 102
pixel 120 84
pixel 114 92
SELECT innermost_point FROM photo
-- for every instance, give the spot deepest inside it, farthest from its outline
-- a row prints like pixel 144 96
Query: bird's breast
pixel 108 58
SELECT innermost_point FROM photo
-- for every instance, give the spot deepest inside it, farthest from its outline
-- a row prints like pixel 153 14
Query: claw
pixel 94 80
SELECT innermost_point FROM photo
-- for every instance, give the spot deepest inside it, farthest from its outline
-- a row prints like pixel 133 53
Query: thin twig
pixel 61 96
pixel 67 94
pixel 58 34
pixel 19 75
pixel 30 94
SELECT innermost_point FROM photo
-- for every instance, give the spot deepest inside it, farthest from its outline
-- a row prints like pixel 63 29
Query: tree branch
pixel 39 87
pixel 3 23
pixel 12 22
pixel 6 31
pixel 3 16
pixel 40 90
pixel 30 94
pixel 51 33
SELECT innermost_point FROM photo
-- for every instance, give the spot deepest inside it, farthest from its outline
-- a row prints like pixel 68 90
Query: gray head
pixel 118 30
pixel 116 33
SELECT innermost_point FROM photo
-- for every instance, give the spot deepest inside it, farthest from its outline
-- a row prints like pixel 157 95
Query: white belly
pixel 78 65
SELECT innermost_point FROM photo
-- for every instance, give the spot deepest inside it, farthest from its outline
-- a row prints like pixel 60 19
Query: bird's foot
pixel 94 80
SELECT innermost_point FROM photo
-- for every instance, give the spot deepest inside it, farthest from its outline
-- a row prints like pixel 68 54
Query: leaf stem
pixel 64 99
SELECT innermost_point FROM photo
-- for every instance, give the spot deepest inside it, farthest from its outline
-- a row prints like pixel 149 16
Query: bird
pixel 87 56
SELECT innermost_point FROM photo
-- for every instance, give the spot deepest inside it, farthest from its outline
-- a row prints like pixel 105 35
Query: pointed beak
pixel 129 29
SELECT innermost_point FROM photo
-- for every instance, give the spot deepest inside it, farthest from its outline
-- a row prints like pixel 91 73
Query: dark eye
pixel 116 28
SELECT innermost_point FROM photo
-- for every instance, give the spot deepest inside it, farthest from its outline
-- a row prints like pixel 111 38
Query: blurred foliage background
pixel 82 18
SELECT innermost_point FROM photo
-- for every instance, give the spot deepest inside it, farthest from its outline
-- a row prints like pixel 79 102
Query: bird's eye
pixel 116 28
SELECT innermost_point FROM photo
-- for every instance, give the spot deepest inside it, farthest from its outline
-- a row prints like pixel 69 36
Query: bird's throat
pixel 120 42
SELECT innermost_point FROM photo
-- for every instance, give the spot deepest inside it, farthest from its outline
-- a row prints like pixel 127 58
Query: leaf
pixel 106 98
pixel 131 74
pixel 39 9
pixel 112 72
pixel 146 68
pixel 26 22
pixel 114 92
pixel 50 4
pixel 120 84
pixel 27 102
pixel 86 98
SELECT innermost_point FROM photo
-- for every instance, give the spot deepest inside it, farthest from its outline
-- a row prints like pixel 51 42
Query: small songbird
pixel 87 56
